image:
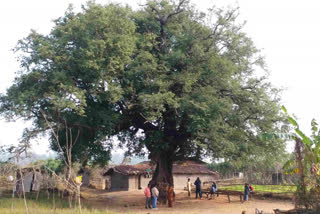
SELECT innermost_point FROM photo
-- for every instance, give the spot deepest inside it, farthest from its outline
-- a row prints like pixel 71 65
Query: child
pixel 250 188
pixel 213 189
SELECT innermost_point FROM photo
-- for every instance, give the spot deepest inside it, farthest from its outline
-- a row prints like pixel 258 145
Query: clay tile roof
pixel 131 169
pixel 186 167
pixel 192 167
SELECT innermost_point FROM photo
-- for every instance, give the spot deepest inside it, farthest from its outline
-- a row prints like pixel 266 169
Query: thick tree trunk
pixel 162 176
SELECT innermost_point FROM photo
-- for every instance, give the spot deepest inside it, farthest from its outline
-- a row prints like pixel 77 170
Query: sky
pixel 286 31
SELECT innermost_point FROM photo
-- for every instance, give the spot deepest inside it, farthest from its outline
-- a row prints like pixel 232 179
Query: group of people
pixel 247 189
pixel 214 188
pixel 148 192
pixel 152 193
pixel 197 183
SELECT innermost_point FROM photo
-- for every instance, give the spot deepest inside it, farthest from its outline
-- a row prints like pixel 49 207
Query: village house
pixel 94 178
pixel 30 180
pixel 132 177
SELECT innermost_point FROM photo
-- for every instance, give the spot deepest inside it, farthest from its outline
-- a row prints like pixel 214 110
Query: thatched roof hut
pixel 95 178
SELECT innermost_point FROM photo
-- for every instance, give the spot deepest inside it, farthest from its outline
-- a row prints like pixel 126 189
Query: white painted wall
pixel 180 180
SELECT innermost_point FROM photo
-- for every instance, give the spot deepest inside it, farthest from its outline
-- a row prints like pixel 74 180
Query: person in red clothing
pixel 250 188
pixel 170 196
pixel 147 193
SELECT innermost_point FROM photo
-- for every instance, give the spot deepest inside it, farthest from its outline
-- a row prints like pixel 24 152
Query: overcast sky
pixel 287 31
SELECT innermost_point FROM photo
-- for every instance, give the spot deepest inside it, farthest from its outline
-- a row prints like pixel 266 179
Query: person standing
pixel 189 187
pixel 197 183
pixel 155 194
pixel 147 193
pixel 170 196
pixel 246 192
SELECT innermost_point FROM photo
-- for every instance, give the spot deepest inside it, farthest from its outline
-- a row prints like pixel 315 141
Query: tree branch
pixel 177 10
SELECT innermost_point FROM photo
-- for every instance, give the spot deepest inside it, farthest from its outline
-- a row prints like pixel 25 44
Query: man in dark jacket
pixel 246 192
pixel 197 183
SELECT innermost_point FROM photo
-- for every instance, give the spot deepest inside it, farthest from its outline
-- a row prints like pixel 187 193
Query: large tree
pixel 167 78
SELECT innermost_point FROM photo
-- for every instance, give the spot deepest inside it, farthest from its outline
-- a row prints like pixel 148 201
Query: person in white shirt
pixel 189 187
pixel 155 194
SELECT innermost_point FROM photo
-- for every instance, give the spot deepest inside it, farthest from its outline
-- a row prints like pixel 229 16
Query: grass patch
pixel 43 205
pixel 263 188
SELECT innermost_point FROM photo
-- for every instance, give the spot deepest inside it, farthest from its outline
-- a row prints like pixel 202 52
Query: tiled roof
pixel 131 169
pixel 191 167
pixel 186 167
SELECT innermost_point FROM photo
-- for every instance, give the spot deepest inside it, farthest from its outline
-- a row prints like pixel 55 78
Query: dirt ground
pixel 133 202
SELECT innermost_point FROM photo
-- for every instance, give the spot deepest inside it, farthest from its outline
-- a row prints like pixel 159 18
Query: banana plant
pixel 311 144
pixel 307 158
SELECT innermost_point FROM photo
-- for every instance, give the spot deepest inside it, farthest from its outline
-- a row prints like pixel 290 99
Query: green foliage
pixel 257 167
pixel 66 74
pixel 307 159
pixel 55 165
pixel 223 168
pixel 162 77
pixel 264 188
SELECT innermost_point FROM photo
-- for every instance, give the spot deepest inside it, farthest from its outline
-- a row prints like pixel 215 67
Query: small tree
pixel 66 154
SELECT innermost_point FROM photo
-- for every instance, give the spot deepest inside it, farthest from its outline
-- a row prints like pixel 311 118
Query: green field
pixel 263 188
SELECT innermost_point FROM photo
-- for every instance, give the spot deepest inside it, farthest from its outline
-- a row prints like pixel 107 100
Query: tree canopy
pixel 178 82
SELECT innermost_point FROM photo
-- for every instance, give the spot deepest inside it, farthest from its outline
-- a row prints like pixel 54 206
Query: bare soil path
pixel 133 202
